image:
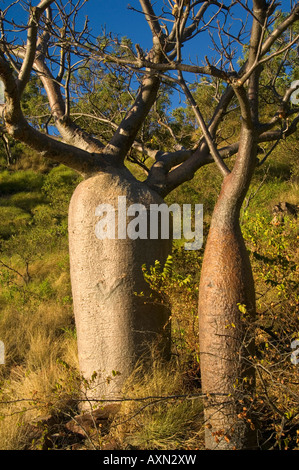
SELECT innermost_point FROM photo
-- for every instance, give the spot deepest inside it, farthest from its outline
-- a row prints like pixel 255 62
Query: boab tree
pixel 113 324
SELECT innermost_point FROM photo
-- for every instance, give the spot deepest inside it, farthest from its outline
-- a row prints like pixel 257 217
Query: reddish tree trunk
pixel 226 337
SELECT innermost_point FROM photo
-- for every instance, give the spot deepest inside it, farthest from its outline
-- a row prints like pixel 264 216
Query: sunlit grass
pixel 158 415
pixel 162 411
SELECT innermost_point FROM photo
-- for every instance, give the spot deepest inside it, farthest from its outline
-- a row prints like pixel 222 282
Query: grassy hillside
pixel 40 379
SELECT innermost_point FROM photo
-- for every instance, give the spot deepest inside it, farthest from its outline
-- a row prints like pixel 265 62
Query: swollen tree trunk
pixel 226 312
pixel 116 327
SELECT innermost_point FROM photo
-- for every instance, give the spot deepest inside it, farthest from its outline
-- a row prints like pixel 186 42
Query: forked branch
pixel 210 142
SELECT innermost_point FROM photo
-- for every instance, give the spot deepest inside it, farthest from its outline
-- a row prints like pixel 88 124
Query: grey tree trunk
pixel 115 327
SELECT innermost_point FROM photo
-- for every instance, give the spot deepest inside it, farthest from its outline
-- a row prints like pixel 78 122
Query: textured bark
pixel 224 340
pixel 115 327
pixel 113 324
pixel 226 335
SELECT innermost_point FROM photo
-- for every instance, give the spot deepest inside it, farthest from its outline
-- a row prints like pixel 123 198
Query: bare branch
pixel 151 18
pixel 283 26
pixel 125 135
pixel 69 131
pixel 35 15
pixel 213 149
pixel 17 126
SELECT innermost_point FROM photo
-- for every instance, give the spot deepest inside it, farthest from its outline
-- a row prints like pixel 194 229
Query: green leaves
pixel 163 279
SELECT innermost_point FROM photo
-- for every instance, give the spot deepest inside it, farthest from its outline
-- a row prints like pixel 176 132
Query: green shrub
pixel 11 183
pixel 26 201
pixel 12 219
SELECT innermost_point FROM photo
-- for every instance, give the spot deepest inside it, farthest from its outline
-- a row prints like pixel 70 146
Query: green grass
pixel 12 219
pixel 158 422
pixel 11 183
pixel 26 201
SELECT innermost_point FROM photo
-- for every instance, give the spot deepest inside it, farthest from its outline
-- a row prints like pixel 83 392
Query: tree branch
pixel 210 142
pixel 17 126
pixel 35 15
pixel 151 18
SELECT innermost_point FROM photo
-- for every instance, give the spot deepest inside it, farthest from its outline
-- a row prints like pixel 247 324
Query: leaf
pixel 242 308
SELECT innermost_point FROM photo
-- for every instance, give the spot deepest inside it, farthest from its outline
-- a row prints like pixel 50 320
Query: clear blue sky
pixel 118 19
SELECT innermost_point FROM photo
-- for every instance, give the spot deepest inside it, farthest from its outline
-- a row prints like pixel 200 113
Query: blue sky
pixel 112 13
pixel 117 18
pixel 115 15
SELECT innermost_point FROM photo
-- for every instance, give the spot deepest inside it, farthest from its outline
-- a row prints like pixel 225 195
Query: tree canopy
pixel 78 69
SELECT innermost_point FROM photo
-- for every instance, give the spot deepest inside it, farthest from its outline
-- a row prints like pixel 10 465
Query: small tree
pixel 114 324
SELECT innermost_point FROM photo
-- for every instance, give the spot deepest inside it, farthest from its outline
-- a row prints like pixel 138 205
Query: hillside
pixel 40 379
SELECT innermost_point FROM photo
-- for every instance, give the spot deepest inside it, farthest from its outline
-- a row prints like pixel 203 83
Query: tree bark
pixel 225 333
pixel 115 327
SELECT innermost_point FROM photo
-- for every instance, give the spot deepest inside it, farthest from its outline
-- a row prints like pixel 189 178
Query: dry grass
pixel 41 365
pixel 44 385
pixel 40 376
pixel 29 395
pixel 157 414
pixel 290 195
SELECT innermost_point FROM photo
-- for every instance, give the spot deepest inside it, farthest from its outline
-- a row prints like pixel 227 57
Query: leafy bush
pixel 11 183
pixel 12 220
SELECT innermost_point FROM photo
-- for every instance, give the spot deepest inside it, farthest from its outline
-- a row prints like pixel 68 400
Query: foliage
pixel 179 291
pixel 36 304
pixel 41 360
pixel 167 418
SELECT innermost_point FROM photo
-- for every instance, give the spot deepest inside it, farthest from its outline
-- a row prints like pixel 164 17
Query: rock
pixel 45 421
pixel 89 423
pixel 282 209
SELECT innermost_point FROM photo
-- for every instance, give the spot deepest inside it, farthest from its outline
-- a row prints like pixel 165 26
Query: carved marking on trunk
pixel 108 288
